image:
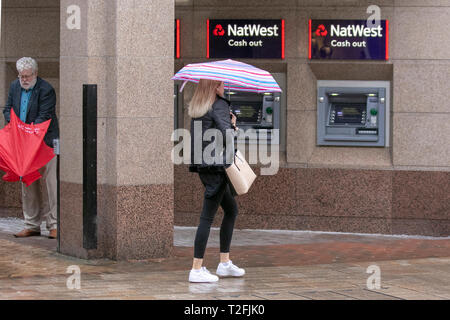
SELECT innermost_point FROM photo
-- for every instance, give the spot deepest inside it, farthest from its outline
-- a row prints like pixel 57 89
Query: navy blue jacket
pixel 41 106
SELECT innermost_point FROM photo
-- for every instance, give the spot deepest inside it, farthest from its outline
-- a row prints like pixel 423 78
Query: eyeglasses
pixel 24 77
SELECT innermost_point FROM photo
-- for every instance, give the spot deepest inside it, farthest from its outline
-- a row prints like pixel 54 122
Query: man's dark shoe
pixel 52 234
pixel 27 233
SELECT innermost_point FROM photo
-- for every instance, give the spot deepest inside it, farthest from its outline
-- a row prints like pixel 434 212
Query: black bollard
pixel 90 166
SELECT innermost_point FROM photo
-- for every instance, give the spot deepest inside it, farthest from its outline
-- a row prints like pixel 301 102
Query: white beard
pixel 30 85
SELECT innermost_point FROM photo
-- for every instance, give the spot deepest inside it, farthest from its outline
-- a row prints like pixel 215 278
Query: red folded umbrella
pixel 23 150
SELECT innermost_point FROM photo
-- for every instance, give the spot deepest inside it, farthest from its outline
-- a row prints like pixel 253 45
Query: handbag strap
pixel 235 155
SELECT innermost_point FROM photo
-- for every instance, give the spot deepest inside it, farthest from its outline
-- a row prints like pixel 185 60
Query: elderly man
pixel 33 100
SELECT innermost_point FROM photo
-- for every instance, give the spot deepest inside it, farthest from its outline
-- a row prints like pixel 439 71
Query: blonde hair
pixel 204 97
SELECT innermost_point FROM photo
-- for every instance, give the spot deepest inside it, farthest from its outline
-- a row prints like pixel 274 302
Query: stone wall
pixel 399 189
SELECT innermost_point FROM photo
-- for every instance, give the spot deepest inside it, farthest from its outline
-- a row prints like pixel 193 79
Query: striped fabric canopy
pixel 236 75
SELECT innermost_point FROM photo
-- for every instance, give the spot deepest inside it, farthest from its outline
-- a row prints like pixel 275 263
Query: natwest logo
pixel 348 39
pixel 356 31
pixel 252 30
pixel 218 30
pixel 245 38
pixel 321 31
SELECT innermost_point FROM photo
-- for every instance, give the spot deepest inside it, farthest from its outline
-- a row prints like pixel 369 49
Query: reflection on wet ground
pixel 279 265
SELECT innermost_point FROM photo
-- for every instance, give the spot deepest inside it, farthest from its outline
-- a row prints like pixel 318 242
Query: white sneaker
pixel 202 275
pixel 229 270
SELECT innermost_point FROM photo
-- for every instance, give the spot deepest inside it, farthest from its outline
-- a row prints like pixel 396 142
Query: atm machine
pixel 260 114
pixel 256 111
pixel 353 113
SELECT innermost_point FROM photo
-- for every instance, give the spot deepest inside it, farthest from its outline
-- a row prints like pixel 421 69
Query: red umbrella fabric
pixel 23 150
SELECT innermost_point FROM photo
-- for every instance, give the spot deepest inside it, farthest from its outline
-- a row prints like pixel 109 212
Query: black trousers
pixel 217 193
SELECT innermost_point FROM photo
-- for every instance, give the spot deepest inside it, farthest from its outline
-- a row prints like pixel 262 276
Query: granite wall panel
pixel 332 199
pixel 133 222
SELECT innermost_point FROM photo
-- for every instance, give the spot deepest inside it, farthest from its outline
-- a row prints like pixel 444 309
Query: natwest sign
pixel 348 39
pixel 356 31
pixel 253 30
pixel 245 39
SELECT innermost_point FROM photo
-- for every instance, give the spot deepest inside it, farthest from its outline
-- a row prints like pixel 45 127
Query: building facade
pixel 129 49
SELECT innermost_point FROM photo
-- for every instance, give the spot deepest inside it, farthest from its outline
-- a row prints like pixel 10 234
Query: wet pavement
pixel 288 265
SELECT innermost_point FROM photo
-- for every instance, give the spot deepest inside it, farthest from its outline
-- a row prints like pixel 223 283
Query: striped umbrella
pixel 236 76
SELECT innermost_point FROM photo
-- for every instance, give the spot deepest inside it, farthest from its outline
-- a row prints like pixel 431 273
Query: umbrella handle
pixel 182 87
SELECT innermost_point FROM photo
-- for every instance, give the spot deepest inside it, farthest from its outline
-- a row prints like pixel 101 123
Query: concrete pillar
pixel 126 48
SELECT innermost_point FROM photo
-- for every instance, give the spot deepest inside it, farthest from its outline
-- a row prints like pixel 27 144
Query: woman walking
pixel 210 110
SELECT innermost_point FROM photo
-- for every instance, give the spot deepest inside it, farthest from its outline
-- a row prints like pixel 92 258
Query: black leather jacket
pixel 218 117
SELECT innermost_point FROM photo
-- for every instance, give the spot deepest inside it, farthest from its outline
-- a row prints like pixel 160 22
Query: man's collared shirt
pixel 25 98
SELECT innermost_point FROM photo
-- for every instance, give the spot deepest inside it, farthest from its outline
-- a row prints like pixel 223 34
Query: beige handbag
pixel 240 175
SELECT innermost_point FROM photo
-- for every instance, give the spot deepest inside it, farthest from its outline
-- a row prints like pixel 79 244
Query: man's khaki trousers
pixel 37 206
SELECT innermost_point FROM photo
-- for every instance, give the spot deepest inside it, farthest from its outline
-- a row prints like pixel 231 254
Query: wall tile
pixel 411 40
pixel 418 139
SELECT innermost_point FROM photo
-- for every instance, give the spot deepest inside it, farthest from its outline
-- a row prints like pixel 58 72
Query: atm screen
pixel 247 112
pixel 349 113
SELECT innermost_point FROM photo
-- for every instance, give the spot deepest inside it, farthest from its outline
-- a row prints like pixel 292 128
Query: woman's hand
pixel 233 121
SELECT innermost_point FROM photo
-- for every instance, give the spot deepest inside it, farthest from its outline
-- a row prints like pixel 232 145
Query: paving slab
pixel 291 266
